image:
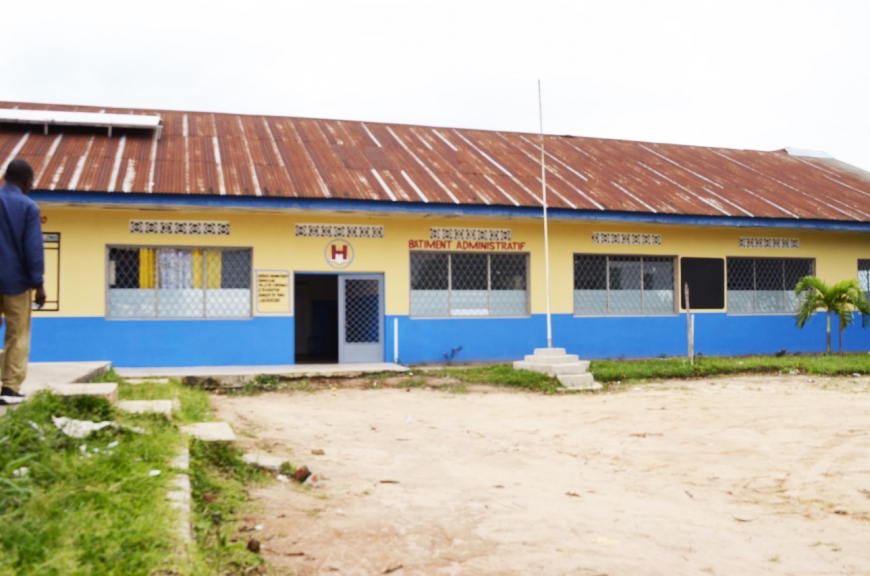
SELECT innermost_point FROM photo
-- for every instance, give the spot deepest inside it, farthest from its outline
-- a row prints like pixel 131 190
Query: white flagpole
pixel 546 231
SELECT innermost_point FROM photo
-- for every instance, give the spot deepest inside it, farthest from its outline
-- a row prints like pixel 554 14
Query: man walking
pixel 21 269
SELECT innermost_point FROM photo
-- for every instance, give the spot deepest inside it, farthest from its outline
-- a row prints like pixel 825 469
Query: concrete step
pixel 181 461
pixel 108 390
pixel 63 372
pixel 147 407
pixel 153 380
pixel 266 461
pixel 554 369
pixel 210 431
pixel 549 351
pixel 579 382
pixel 551 359
pixel 180 499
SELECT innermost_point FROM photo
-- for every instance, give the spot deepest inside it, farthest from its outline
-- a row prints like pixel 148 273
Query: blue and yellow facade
pixel 83 228
pixel 190 238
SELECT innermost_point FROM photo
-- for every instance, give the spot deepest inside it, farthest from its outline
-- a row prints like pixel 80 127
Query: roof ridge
pixel 131 110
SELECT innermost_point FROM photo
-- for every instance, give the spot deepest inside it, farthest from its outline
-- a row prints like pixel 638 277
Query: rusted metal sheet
pixel 238 155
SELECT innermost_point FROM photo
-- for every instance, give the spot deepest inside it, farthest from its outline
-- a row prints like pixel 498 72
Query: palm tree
pixel 841 300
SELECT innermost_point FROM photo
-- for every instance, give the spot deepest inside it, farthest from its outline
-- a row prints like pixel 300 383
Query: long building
pixel 188 238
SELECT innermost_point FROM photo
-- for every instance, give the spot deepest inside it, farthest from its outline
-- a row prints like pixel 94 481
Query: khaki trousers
pixel 15 311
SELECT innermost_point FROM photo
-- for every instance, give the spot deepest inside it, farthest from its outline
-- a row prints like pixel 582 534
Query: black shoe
pixel 10 396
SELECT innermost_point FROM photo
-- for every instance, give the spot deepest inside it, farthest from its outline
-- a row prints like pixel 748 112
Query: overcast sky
pixel 760 74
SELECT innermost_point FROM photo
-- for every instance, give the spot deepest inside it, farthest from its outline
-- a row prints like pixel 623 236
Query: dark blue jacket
pixel 22 261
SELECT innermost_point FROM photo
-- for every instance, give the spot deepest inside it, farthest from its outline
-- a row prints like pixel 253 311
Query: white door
pixel 360 318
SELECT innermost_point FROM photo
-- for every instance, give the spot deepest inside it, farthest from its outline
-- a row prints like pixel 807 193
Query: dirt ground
pixel 754 475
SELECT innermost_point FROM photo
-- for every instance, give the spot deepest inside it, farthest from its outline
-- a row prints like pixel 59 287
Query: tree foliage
pixel 842 300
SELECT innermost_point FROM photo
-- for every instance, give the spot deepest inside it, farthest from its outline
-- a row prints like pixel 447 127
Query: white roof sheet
pixel 807 153
pixel 58 117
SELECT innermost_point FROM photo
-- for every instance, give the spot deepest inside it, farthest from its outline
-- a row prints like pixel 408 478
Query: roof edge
pixel 138 200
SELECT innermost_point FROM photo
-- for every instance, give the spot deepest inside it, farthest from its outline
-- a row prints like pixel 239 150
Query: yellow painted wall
pixel 86 231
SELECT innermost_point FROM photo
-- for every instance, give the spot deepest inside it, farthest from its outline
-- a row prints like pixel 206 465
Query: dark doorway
pixel 316 306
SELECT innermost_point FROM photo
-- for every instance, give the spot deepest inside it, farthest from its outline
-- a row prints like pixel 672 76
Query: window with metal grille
pixel 765 285
pixel 864 276
pixel 623 285
pixel 469 284
pixel 148 282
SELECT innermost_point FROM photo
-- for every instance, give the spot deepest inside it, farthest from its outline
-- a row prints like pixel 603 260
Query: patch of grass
pixel 501 375
pixel 413 382
pixel 458 389
pixel 269 383
pixel 82 507
pixel 195 406
pixel 628 371
pixel 219 481
pixel 109 376
pixel 376 376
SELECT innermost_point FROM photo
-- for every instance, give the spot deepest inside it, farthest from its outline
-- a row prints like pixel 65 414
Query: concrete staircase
pixel 568 368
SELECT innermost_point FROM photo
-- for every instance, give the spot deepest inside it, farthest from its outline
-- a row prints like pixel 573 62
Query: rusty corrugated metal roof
pixel 231 154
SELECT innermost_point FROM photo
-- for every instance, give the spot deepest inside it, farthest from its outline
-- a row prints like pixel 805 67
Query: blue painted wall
pixel 132 343
pixel 482 339
pixel 506 339
pixel 267 340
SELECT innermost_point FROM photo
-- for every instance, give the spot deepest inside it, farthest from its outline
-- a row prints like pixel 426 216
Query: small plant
pixel 449 356
pixel 221 539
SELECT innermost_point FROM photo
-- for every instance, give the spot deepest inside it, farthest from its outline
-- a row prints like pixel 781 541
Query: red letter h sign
pixel 336 252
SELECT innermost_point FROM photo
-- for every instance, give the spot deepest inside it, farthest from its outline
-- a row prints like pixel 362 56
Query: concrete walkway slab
pixel 57 375
pixel 147 380
pixel 292 370
pixel 147 407
pixel 210 431
pixel 42 373
pixel 266 461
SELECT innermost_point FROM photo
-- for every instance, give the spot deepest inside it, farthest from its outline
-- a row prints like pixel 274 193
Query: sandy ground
pixel 756 475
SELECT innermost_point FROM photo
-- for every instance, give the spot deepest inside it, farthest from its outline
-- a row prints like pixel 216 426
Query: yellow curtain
pixel 197 268
pixel 146 268
pixel 213 265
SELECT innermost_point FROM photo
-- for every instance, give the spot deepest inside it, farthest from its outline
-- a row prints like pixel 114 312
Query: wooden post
pixel 690 327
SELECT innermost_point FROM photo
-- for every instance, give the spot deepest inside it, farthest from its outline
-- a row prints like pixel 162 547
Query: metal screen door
pixel 360 318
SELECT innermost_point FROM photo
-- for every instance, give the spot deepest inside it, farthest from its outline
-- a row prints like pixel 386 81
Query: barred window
pixel 146 282
pixel 622 285
pixel 864 276
pixel 765 285
pixel 469 284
